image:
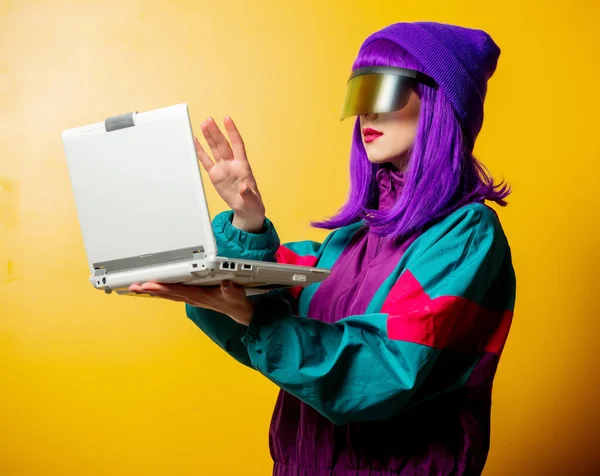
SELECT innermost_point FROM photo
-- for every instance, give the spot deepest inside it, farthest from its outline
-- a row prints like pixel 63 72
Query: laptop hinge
pixel 101 271
pixel 200 254
pixel 153 259
pixel 114 123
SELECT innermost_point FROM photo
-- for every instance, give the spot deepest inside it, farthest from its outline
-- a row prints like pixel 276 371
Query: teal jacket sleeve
pixel 426 338
pixel 222 330
pixel 235 243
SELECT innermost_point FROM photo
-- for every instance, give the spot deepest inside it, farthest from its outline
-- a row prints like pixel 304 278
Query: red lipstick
pixel 371 134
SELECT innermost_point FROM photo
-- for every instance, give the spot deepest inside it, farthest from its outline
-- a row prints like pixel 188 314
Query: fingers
pixel 161 290
pixel 135 288
pixel 226 287
pixel 226 298
pixel 169 297
pixel 140 289
pixel 220 146
pixel 211 142
pixel 175 290
pixel 218 143
pixel 195 295
pixel 237 143
pixel 231 291
pixel 203 157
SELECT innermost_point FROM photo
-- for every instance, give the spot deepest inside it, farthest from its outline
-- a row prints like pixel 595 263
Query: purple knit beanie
pixel 461 60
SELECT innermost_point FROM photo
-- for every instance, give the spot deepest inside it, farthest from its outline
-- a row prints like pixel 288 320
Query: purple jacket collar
pixel 391 183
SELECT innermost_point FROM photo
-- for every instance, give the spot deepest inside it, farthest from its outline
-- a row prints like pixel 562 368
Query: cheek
pixel 408 117
pixel 411 127
pixel 404 131
pixel 403 138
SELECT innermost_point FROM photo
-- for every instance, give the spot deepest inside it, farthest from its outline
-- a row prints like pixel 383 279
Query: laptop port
pixel 246 266
pixel 233 266
pixel 225 265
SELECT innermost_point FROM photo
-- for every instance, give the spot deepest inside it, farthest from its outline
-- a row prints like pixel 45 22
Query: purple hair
pixel 442 174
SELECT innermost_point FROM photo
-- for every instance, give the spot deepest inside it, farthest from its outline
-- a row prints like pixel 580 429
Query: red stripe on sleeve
pixel 446 322
pixel 286 256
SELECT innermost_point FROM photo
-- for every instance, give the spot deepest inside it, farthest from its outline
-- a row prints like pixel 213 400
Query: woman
pixel 387 366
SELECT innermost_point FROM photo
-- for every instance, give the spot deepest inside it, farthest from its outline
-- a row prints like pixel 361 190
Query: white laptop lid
pixel 138 188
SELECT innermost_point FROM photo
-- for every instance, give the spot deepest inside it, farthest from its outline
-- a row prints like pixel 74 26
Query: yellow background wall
pixel 97 385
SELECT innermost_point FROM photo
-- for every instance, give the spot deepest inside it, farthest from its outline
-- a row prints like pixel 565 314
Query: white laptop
pixel 142 208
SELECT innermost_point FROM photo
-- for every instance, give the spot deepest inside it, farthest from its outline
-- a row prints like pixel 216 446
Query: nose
pixel 370 115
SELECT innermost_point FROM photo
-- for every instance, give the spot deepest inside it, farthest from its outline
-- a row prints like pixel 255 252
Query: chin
pixel 385 158
pixel 378 160
pixel 380 154
pixel 398 161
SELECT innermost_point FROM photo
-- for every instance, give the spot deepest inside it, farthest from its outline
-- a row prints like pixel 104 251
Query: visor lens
pixel 376 93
